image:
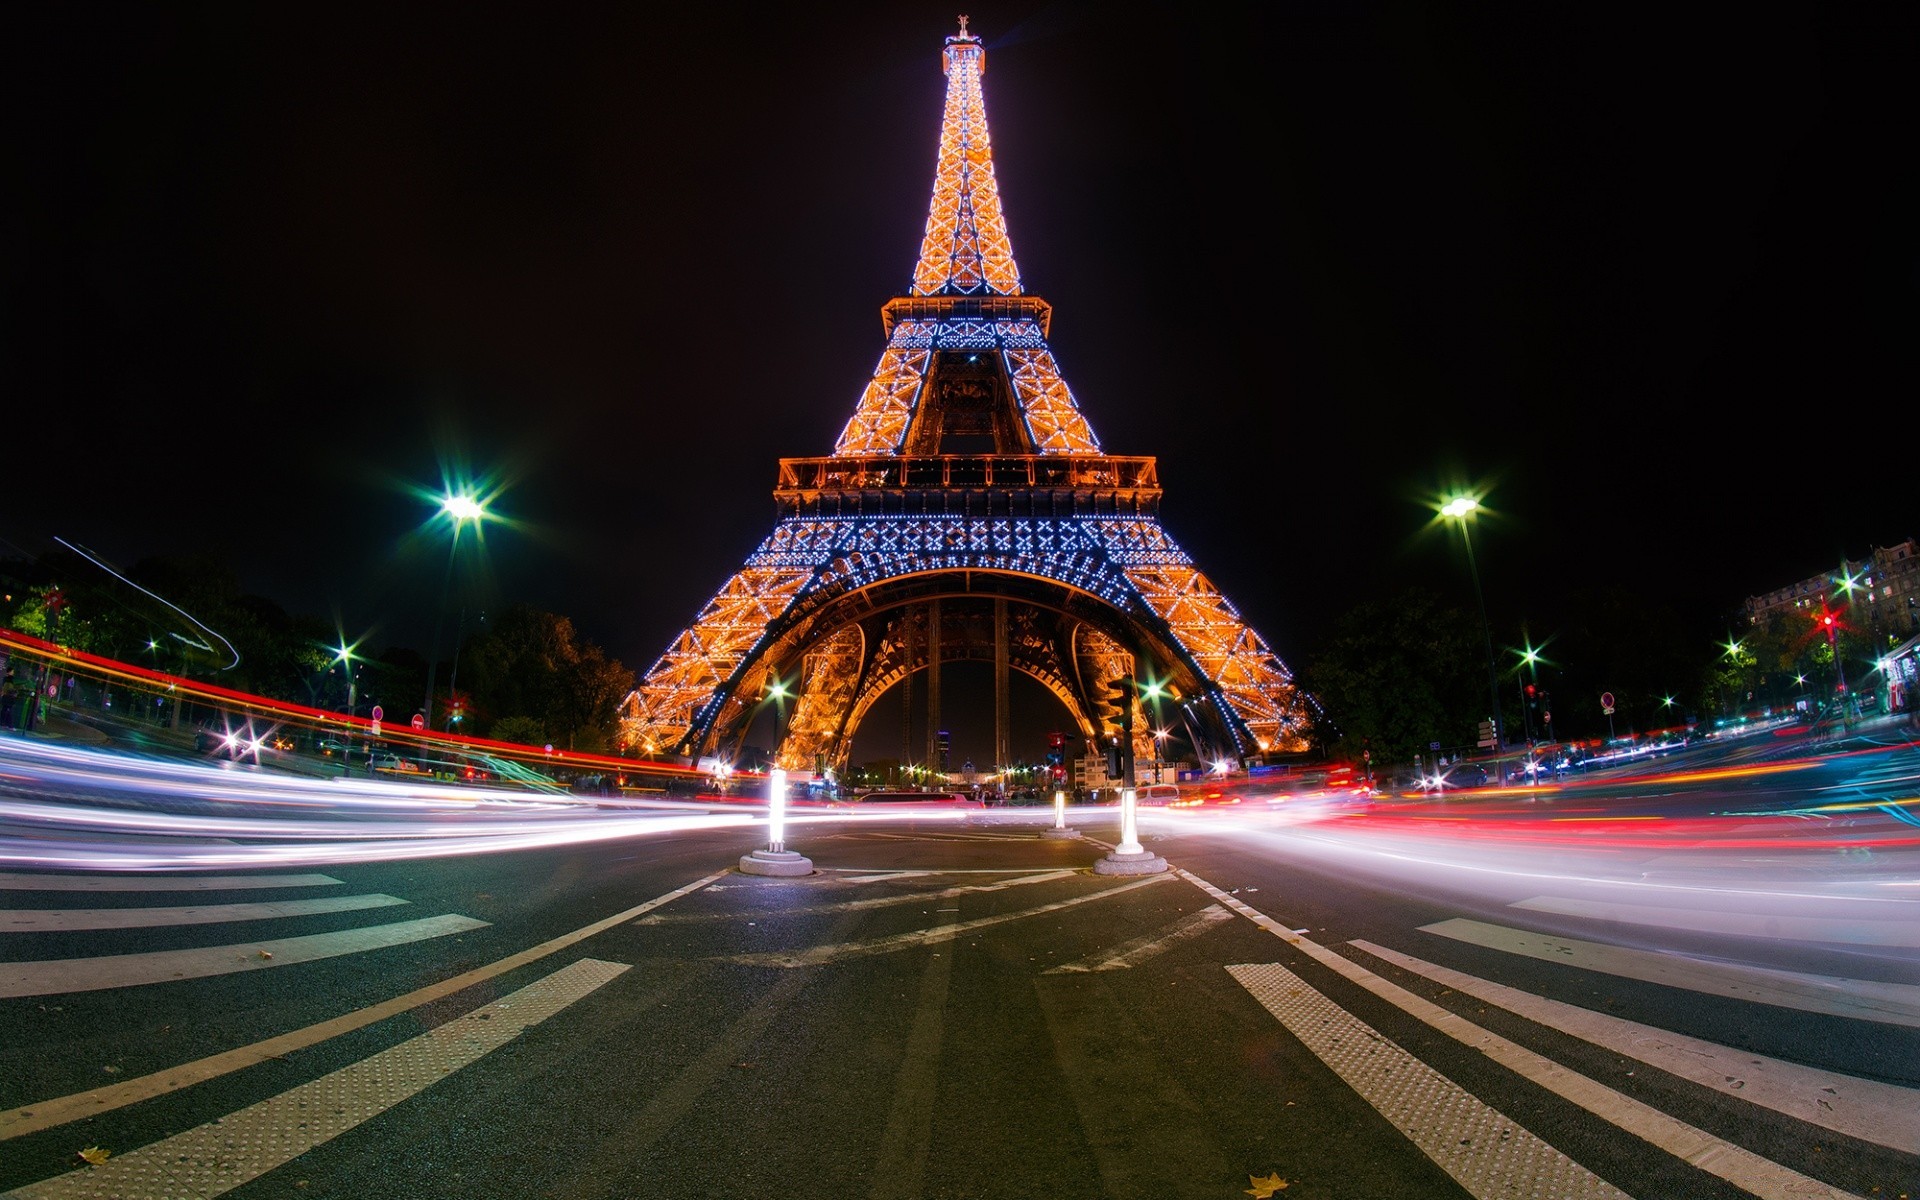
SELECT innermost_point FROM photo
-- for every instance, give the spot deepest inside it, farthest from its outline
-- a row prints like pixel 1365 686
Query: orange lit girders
pixel 1054 423
pixel 662 708
pixel 966 248
pixel 1137 477
pixel 1228 651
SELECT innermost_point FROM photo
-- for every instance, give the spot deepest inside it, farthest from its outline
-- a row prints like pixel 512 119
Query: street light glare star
pixel 463 507
pixel 1459 506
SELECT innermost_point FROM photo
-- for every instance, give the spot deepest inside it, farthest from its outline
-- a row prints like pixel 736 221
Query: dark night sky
pixel 1651 281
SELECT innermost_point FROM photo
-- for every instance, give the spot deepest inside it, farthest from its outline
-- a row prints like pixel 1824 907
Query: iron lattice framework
pixel 967 511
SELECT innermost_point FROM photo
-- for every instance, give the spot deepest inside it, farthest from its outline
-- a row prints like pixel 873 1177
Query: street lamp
pixel 778 693
pixel 460 508
pixel 1461 509
pixel 343 654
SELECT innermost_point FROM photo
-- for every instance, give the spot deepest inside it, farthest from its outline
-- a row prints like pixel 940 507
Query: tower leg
pixel 933 685
pixel 1002 719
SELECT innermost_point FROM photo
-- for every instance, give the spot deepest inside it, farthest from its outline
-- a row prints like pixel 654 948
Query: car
pixel 1159 795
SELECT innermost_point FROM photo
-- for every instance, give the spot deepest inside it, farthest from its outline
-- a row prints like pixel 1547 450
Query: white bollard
pixel 776 859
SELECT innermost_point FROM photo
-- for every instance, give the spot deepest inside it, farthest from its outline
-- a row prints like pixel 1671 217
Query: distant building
pixel 1882 608
pixel 1883 604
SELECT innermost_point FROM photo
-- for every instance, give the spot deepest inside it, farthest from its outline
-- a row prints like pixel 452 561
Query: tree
pixel 534 664
pixel 1397 674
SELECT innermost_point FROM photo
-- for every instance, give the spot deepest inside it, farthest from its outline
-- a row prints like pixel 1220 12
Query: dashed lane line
pixel 46 1114
pixel 1140 949
pixel 1716 1156
pixel 217 1157
pixel 871 902
pixel 923 937
pixel 51 920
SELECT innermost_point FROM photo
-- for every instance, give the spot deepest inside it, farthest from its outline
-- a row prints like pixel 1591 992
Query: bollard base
pixel 775 862
pixel 1144 863
pixel 1058 832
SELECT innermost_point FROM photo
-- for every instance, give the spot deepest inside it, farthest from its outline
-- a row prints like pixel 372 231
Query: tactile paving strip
pixel 1482 1149
pixel 224 1154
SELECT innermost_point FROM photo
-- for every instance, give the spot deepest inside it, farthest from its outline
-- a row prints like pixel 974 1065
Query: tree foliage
pixel 534 665
pixel 1397 674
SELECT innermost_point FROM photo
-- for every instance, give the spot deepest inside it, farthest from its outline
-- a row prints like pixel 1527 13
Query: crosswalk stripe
pixel 55 976
pixel 19 881
pixel 923 937
pixel 45 920
pixel 1882 1113
pixel 1488 1154
pixel 1861 999
pixel 1851 931
pixel 1140 949
pixel 1696 1147
pixel 95 1102
pixel 219 1156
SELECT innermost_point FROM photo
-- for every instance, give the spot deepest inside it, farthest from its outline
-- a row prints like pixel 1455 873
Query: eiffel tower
pixel 967 512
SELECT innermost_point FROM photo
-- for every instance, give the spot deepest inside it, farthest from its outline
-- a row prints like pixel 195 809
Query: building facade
pixel 1878 597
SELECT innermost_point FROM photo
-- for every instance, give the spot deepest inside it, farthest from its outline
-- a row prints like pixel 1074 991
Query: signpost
pixel 1606 706
pixel 377 714
pixel 419 722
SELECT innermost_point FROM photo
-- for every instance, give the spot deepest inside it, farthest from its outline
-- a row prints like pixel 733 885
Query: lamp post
pixel 460 509
pixel 1461 509
pixel 777 692
pixel 343 654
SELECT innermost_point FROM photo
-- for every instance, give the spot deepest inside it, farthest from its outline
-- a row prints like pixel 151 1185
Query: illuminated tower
pixel 967 512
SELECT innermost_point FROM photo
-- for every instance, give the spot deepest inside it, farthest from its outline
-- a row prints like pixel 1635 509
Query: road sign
pixel 1606 703
pixel 419 722
pixel 1487 738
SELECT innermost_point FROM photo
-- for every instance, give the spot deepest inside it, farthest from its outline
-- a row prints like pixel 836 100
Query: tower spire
pixel 965 250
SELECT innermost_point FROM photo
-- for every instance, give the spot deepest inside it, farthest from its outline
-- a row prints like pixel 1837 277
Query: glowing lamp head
pixel 1460 507
pixel 463 507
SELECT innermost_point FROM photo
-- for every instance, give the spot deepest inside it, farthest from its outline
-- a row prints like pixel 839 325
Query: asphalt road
pixel 1419 1001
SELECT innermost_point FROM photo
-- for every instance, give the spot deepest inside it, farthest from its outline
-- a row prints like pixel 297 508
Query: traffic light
pixel 1116 762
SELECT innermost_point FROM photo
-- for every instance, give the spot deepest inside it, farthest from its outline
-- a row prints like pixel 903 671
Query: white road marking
pixel 1862 999
pixel 42 920
pixel 1485 1152
pixel 61 975
pixel 1882 1113
pixel 219 1156
pixel 871 902
pixel 1140 949
pixel 1853 931
pixel 1716 1156
pixel 18 881
pixel 925 937
pixel 59 1110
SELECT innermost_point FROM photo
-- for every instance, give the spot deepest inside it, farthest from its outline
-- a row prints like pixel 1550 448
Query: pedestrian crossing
pixel 1488 1150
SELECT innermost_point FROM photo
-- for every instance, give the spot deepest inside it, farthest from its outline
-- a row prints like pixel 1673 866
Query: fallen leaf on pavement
pixel 1265 1186
pixel 95 1155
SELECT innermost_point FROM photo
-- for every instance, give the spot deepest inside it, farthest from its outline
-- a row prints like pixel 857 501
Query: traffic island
pixel 1134 862
pixel 775 862
pixel 1129 857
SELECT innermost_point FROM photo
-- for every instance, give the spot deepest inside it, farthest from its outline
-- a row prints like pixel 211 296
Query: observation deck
pixel 1010 485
